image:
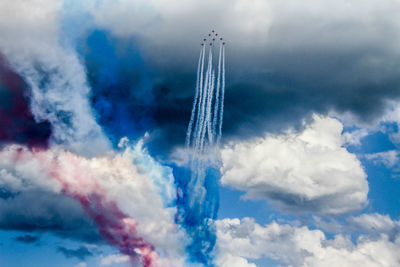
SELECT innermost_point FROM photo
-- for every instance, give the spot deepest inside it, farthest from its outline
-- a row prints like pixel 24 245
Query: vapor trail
pixel 200 138
pixel 204 121
pixel 189 130
pixel 195 134
pixel 221 112
pixel 209 109
pixel 215 119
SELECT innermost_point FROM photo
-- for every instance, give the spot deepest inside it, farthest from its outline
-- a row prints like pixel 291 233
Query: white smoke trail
pixel 200 115
pixel 209 109
pixel 199 141
pixel 201 198
pixel 206 116
pixel 195 134
pixel 221 113
pixel 215 119
pixel 189 130
pixel 205 111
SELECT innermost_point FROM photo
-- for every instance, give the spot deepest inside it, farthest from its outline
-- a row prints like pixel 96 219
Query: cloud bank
pixel 300 246
pixel 299 171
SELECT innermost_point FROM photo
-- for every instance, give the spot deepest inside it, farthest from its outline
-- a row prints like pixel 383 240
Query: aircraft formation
pixel 213 36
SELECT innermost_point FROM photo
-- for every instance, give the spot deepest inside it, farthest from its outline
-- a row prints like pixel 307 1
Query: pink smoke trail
pixel 77 182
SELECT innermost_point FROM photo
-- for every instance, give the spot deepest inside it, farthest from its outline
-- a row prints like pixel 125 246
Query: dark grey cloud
pixel 42 211
pixel 28 239
pixel 279 90
pixel 308 57
pixel 80 253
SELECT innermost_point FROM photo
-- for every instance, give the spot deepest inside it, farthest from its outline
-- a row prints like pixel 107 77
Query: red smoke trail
pixel 115 226
pixel 77 182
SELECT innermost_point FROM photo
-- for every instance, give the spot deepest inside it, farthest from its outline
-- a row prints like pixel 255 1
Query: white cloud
pixel 59 91
pixel 159 20
pixel 229 260
pixel 132 180
pixel 375 224
pixel 280 24
pixel 355 137
pixel 305 171
pixel 300 246
pixel 112 259
pixel 388 158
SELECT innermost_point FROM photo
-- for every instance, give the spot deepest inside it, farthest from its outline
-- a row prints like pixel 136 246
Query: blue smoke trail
pixel 120 81
pixel 121 86
pixel 197 181
pixel 196 213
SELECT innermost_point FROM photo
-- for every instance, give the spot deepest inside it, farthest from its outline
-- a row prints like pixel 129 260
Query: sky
pixel 110 150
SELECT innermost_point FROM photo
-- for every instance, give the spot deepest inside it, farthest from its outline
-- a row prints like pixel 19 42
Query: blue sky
pixel 95 103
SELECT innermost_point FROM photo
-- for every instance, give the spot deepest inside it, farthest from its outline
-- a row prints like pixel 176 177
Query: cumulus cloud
pixel 299 171
pixel 372 225
pixel 301 246
pixel 131 180
pixel 375 224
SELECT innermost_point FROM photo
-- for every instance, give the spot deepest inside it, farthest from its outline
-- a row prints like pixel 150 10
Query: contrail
pixel 200 94
pixel 199 141
pixel 221 112
pixel 189 130
pixel 205 117
pixel 208 102
pixel 215 120
pixel 209 110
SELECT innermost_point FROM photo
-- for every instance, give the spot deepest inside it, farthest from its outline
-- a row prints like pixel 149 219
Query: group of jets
pixel 212 35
